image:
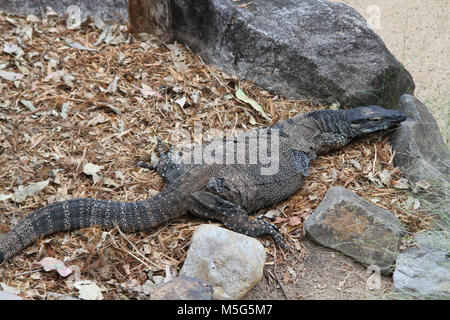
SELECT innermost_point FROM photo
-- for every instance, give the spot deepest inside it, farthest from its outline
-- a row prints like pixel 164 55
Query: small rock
pixel 232 262
pixel 361 230
pixel 424 272
pixel 184 288
pixel 420 150
pixel 4 295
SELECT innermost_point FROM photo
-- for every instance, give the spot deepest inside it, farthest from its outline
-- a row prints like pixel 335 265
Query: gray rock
pixel 232 262
pixel 420 150
pixel 183 288
pixel 5 295
pixel 433 240
pixel 359 229
pixel 115 10
pixel 424 272
pixel 301 49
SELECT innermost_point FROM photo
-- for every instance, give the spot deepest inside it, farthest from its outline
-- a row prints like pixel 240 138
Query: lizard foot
pixel 256 228
pixel 142 164
pixel 234 217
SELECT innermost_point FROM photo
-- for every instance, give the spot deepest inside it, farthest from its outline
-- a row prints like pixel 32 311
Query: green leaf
pixel 243 97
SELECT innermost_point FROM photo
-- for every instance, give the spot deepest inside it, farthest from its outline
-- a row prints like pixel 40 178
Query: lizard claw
pixel 274 232
pixel 142 164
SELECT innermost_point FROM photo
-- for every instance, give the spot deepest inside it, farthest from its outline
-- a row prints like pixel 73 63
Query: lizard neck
pixel 320 131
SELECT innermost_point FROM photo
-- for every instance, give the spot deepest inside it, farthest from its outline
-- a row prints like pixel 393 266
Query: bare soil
pixel 324 274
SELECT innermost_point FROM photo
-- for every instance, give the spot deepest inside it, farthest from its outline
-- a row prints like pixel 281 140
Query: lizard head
pixel 364 120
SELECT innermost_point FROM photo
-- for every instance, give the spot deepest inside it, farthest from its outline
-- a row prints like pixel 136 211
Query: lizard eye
pixel 376 119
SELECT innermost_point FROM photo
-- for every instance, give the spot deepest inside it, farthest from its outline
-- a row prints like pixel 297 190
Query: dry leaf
pixel 64 110
pixel 49 264
pixel 28 105
pixel 10 76
pixel 88 290
pixel 272 213
pixel 79 46
pixel 294 221
pixel 23 192
pixel 385 177
pixel 146 91
pixel 243 97
pixel 401 184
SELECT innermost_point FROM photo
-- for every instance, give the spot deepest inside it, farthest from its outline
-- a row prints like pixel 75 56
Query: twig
pixel 132 245
pixel 27 272
pixel 275 273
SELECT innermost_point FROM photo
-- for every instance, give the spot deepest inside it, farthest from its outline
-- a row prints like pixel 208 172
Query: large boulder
pixel 115 10
pixel 301 49
pixel 359 229
pixel 420 150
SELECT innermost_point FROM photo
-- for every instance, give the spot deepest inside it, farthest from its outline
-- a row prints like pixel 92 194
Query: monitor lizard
pixel 229 193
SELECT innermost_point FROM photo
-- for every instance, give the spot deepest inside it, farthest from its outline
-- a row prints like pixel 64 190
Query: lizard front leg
pixel 208 205
pixel 167 168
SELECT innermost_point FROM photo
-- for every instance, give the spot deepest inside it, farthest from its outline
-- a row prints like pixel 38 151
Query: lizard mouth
pixel 374 129
pixel 383 126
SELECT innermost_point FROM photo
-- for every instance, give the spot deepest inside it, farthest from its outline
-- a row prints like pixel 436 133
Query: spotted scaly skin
pixel 225 192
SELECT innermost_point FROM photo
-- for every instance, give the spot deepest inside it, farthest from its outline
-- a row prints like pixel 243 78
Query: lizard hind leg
pixel 208 205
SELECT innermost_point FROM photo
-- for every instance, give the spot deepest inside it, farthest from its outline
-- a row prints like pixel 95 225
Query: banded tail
pixel 83 213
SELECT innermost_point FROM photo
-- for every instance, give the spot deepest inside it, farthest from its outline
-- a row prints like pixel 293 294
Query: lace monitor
pixel 225 192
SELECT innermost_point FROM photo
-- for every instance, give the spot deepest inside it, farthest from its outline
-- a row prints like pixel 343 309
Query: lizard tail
pixel 80 213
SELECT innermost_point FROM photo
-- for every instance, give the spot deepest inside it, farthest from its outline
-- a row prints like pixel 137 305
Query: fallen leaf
pixel 294 221
pixel 412 203
pixel 91 170
pixel 28 104
pixel 385 177
pixel 10 76
pixel 33 188
pixel 356 164
pixel 109 182
pixel 272 213
pixel 98 119
pixel 401 184
pixel 243 97
pixel 4 197
pixel 79 46
pixel 64 110
pixel 88 290
pixel 181 102
pixel 13 49
pixel 146 91
pixel 49 264
pixel 423 184
pixel 55 76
